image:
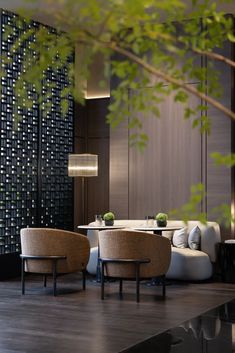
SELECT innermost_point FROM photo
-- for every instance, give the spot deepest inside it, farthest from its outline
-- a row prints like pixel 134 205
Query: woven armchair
pixel 53 251
pixel 133 255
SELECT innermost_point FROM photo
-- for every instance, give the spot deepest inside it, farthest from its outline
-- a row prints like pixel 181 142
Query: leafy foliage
pixel 223 215
pixel 192 209
pixel 109 216
pixel 162 217
pixel 148 49
pixel 133 33
pixel 227 160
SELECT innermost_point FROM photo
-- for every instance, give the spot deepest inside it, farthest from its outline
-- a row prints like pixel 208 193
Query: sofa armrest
pixel 211 237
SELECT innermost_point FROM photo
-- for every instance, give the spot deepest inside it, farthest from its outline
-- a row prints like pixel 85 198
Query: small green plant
pixel 109 216
pixel 161 217
pixel 109 219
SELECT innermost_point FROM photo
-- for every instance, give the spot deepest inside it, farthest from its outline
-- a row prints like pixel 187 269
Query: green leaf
pixel 231 37
pixel 223 214
pixel 192 209
pixel 226 160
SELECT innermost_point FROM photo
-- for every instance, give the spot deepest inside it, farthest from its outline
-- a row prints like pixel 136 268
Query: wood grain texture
pixel 80 144
pixel 91 125
pixel 97 192
pixel 119 161
pixel 79 121
pixel 78 321
pixel 97 110
pixel 98 187
pixel 161 177
pixel 219 186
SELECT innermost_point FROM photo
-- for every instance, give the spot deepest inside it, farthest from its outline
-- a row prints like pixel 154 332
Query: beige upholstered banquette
pixel 186 264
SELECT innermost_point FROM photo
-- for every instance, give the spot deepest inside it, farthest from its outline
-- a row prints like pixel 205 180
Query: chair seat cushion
pixel 188 264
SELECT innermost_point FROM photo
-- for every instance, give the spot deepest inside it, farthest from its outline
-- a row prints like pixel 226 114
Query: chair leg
pixel 54 263
pixel 120 288
pixel 102 280
pixel 22 276
pixel 84 279
pixel 45 280
pixel 137 272
pixel 163 286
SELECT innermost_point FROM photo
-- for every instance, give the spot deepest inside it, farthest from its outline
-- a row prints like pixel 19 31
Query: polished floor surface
pixel 78 321
pixel 212 332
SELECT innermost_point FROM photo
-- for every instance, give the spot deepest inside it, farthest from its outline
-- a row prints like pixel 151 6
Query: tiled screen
pixel 35 190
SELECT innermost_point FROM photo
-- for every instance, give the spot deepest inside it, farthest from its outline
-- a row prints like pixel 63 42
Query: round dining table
pixel 155 229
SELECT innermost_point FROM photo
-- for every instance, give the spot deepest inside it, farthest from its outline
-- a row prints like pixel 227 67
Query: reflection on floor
pixel 213 332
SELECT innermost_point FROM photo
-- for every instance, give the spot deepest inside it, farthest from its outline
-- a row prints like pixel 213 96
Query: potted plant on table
pixel 161 219
pixel 109 218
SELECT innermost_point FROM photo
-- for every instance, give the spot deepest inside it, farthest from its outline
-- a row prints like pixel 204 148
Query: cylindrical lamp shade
pixel 84 165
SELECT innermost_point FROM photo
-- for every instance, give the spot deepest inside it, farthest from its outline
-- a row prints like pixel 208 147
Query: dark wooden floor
pixel 79 322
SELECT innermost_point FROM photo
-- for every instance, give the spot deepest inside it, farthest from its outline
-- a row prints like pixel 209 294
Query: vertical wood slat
pixel 98 187
pixel 92 136
pixel 119 176
pixel 78 207
pixel 219 140
pixel 161 177
pixel 98 143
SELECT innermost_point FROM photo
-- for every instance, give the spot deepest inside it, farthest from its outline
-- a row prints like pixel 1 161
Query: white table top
pixel 140 228
pixel 90 227
pixel 156 228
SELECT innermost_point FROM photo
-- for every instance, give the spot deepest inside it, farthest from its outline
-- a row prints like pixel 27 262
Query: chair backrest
pixel 47 242
pixel 124 244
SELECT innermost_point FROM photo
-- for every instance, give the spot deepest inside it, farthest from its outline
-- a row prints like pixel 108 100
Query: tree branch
pixel 215 56
pixel 160 74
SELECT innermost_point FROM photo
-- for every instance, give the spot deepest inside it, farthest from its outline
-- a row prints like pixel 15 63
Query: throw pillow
pixel 180 238
pixel 194 238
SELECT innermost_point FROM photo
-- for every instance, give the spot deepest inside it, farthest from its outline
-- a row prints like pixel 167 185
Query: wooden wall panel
pixel 219 188
pixel 160 178
pixel 98 187
pixel 79 147
pixel 118 189
pixel 177 157
pixel 218 177
pixel 92 136
pixel 97 110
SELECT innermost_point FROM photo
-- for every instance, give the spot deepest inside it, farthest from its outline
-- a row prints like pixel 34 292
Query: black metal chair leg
pixel 22 276
pixel 102 280
pixel 137 271
pixel 54 263
pixel 84 279
pixel 45 280
pixel 120 288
